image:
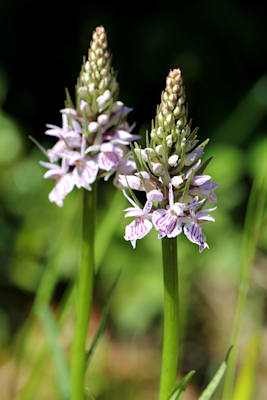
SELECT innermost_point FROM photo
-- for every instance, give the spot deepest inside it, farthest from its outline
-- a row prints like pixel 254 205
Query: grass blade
pixel 212 386
pixel 181 386
pixel 58 356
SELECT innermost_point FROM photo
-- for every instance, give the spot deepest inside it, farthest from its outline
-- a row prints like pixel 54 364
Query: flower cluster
pixel 94 137
pixel 179 195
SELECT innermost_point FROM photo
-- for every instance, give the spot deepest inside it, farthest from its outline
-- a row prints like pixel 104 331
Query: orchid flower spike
pixel 171 173
pixel 95 135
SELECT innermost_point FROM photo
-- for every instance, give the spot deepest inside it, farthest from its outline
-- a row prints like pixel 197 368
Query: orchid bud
pixel 157 168
pixel 169 140
pixel 155 195
pixel 177 181
pixel 103 119
pixel 172 160
pixel 93 127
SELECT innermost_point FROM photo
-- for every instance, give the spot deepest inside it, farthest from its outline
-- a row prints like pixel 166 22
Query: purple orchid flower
pixel 192 227
pixel 141 225
pixel 168 222
pixel 64 181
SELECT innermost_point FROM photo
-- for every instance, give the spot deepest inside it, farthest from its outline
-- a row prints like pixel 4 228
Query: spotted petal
pixel 85 173
pixel 169 225
pixel 137 230
pixel 64 185
pixel 194 233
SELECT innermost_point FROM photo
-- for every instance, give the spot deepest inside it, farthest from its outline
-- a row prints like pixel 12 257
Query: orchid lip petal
pixel 63 186
pixel 137 229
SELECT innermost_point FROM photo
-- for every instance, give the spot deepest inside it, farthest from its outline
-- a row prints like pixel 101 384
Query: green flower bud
pixel 98 76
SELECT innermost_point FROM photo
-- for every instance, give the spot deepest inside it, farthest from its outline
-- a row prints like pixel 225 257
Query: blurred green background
pixel 221 48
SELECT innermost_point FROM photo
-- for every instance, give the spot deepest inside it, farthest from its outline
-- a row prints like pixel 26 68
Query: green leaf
pixel 58 355
pixel 203 144
pixel 103 321
pixel 204 166
pixel 180 387
pixel 187 186
pixel 212 386
pixel 68 101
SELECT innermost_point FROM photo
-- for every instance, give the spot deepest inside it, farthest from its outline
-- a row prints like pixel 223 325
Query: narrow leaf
pixel 103 321
pixel 212 386
pixel 58 356
pixel 40 147
pixel 203 144
pixel 187 186
pixel 180 387
pixel 68 101
pixel 204 166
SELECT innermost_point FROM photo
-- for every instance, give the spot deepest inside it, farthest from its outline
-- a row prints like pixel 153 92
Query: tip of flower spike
pixel 175 74
pixel 100 29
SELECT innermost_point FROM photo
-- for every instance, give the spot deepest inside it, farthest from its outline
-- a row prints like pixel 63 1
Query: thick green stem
pixel 84 295
pixel 171 318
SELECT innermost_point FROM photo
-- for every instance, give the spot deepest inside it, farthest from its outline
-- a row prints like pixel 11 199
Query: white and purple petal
pixel 192 157
pixel 193 168
pixel 155 195
pixel 137 229
pixel 108 160
pixel 129 181
pixel 85 173
pixel 126 167
pixel 177 181
pixel 194 233
pixel 64 185
pixel 199 180
pixel 123 137
pixel 69 111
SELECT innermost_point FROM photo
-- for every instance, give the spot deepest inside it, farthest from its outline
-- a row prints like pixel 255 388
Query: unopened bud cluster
pixel 170 172
pixel 171 137
pixel 97 84
pixel 94 138
pixel 171 115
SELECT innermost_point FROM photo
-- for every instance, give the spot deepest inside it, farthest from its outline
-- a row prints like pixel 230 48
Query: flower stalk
pixel 179 198
pixel 170 349
pixel 85 286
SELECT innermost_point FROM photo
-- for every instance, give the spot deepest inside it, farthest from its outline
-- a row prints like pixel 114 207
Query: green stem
pixel 171 318
pixel 84 295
